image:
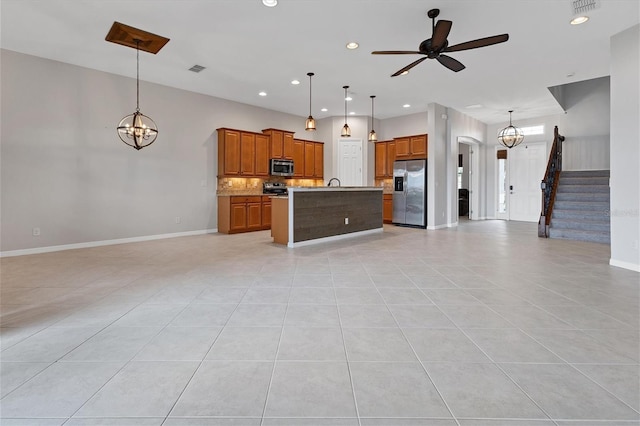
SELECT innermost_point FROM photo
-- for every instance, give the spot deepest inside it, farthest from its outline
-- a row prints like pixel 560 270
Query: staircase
pixel 581 209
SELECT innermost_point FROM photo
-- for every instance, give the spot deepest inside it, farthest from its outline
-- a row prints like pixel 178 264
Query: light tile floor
pixel 484 324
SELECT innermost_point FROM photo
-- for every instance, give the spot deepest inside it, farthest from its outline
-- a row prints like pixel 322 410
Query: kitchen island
pixel 310 215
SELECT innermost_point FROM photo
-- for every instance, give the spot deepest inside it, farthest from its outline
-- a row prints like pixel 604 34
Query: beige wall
pixel 65 171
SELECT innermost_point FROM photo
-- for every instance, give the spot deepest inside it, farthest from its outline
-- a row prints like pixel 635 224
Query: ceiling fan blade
pixel 481 42
pixel 440 33
pixel 408 67
pixel 395 52
pixel 449 62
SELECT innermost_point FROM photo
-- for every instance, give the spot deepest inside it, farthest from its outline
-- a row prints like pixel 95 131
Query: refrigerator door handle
pixel 406 179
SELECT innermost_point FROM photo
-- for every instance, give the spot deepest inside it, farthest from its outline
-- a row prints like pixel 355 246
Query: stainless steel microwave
pixel 281 167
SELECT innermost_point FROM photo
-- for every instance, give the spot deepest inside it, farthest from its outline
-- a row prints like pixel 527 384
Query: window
pixel 533 130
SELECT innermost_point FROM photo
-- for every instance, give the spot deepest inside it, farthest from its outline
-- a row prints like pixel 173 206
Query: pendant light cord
pixel 137 75
pixel 345 104
pixel 310 75
pixel 372 111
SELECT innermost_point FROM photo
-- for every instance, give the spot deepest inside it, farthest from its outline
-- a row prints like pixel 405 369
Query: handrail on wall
pixel 549 184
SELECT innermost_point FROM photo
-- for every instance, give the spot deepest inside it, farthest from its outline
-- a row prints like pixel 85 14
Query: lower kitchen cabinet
pixel 266 212
pixel 387 208
pixel 240 214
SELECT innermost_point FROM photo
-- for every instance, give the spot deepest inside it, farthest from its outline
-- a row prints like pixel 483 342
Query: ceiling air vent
pixel 196 68
pixel 580 7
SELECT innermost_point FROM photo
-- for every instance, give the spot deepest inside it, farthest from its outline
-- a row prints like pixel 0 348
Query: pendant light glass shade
pixel 346 131
pixel 310 124
pixel 137 130
pixel 372 134
pixel 510 136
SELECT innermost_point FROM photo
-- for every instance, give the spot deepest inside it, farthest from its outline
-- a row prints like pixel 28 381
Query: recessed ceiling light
pixel 324 110
pixel 295 82
pixel 262 93
pixel 406 106
pixel 352 45
pixel 579 20
pixel 571 74
pixel 474 106
pixel 270 3
pixel 352 113
pixel 404 72
pixel 348 98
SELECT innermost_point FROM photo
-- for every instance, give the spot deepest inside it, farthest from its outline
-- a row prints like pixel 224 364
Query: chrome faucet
pixel 332 179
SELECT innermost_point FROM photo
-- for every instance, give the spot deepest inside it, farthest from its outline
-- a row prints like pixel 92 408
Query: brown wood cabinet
pixel 262 155
pixel 313 160
pixel 318 169
pixel 247 154
pixel 266 212
pixel 411 147
pixel 387 208
pixel 242 153
pixel 391 157
pixel 239 214
pixel 298 158
pixel 385 152
pixel 281 143
pixel 228 152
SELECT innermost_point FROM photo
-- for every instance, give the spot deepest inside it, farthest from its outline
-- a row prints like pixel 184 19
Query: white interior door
pixel 527 164
pixel 350 162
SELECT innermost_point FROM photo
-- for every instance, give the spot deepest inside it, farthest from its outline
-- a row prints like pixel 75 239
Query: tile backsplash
pixel 254 185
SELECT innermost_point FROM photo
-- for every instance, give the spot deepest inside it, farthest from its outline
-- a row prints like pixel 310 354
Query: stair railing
pixel 549 184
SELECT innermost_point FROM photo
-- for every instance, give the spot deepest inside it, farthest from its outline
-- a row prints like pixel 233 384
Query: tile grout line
pixel 275 359
pixel 346 353
pixel 413 350
pixel 195 371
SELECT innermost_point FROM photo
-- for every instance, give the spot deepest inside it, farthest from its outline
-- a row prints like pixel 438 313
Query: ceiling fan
pixel 433 47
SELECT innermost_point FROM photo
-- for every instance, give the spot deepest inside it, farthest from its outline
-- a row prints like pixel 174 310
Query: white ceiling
pixel 248 48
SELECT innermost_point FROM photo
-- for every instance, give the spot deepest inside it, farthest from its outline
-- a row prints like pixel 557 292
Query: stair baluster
pixel 549 184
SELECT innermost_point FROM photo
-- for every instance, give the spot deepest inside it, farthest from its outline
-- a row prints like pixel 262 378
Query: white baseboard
pixel 433 228
pixel 626 265
pixel 38 250
pixel 335 238
pixel 452 225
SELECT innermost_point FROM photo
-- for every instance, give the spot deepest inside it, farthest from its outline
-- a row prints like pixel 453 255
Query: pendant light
pixel 510 136
pixel 372 134
pixel 310 124
pixel 346 131
pixel 137 130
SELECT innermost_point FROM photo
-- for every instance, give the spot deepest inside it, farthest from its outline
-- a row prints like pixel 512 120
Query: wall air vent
pixel 580 7
pixel 196 68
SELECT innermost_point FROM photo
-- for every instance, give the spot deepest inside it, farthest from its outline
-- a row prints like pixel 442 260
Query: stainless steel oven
pixel 280 167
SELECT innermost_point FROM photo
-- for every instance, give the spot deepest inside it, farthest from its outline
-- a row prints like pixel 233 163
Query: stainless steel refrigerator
pixel 410 193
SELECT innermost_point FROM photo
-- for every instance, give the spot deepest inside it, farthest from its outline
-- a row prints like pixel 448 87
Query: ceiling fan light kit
pixel 510 136
pixel 434 47
pixel 346 131
pixel 310 124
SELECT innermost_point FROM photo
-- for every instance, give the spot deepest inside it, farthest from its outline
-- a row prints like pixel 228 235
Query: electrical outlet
pixel 36 232
pixel 178 219
pixel 346 220
pixel 230 184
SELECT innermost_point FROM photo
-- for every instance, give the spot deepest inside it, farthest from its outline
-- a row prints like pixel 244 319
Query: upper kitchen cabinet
pixel 411 147
pixel 228 152
pixel 298 158
pixel 385 156
pixel 313 160
pixel 281 143
pixel 242 153
pixel 262 155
